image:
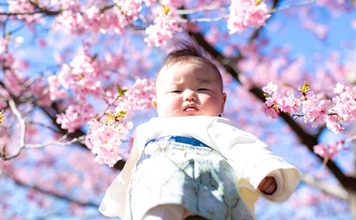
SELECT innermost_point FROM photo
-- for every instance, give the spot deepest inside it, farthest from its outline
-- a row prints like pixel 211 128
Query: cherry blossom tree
pixel 77 76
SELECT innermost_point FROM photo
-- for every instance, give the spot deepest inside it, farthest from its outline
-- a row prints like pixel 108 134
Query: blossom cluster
pixel 162 30
pixel 86 78
pixel 165 23
pixel 244 13
pixel 75 116
pixel 94 19
pixel 139 96
pixel 22 6
pixel 130 8
pixel 83 76
pixel 105 139
pixel 77 19
pixel 106 135
pixel 315 111
pixel 328 151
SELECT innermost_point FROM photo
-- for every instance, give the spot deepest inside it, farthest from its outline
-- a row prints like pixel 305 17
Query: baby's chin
pixel 187 114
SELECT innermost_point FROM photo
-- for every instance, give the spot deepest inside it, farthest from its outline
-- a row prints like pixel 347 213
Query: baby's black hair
pixel 186 52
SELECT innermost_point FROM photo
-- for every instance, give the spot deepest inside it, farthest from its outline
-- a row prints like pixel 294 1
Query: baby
pixel 191 163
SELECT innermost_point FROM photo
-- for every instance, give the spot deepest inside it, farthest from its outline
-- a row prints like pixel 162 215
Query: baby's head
pixel 188 84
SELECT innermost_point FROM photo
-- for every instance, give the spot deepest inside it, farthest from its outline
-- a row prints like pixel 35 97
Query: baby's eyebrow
pixel 204 80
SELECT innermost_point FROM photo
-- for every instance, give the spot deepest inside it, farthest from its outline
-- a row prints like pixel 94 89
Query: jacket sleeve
pixel 252 162
pixel 114 201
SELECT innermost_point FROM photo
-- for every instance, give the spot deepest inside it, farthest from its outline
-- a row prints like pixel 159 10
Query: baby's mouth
pixel 191 108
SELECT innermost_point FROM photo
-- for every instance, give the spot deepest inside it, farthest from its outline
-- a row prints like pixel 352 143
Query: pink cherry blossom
pixel 320 30
pixel 139 96
pixel 38 88
pixel 71 21
pixel 21 6
pixel 130 8
pixel 315 111
pixel 333 123
pixel 269 111
pixel 54 87
pixel 336 6
pixel 270 88
pixel 83 76
pixel 108 21
pixel 75 116
pixel 330 151
pixel 339 88
pixel 105 136
pixel 14 81
pixel 149 2
pixel 345 102
pixel 276 102
pixel 172 3
pixel 244 13
pixel 106 139
pixel 289 103
pixel 161 31
pixel 353 24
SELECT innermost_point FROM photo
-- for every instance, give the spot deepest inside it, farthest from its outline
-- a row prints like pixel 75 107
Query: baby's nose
pixel 189 95
pixel 190 98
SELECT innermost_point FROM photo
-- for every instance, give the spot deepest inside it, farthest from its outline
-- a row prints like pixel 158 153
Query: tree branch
pixel 18 115
pixel 353 2
pixel 330 189
pixel 54 194
pixel 22 138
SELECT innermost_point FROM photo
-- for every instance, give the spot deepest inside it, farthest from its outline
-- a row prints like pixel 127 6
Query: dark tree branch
pixel 353 2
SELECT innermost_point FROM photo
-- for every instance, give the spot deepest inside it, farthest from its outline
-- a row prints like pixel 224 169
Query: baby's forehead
pixel 177 63
pixel 193 62
pixel 187 61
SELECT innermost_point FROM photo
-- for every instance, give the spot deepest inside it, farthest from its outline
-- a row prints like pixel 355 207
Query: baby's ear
pixel 223 103
pixel 154 103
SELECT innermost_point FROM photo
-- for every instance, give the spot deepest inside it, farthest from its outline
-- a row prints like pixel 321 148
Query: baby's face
pixel 188 89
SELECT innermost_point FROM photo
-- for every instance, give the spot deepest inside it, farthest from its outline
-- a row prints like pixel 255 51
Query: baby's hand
pixel 268 185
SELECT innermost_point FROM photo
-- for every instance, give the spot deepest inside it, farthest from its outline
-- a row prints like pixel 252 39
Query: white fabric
pixel 250 158
pixel 165 212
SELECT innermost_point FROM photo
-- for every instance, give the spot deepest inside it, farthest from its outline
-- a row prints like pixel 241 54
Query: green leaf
pixel 258 2
pixel 166 9
pixel 1 116
pixel 305 88
pixel 121 91
pixel 121 114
